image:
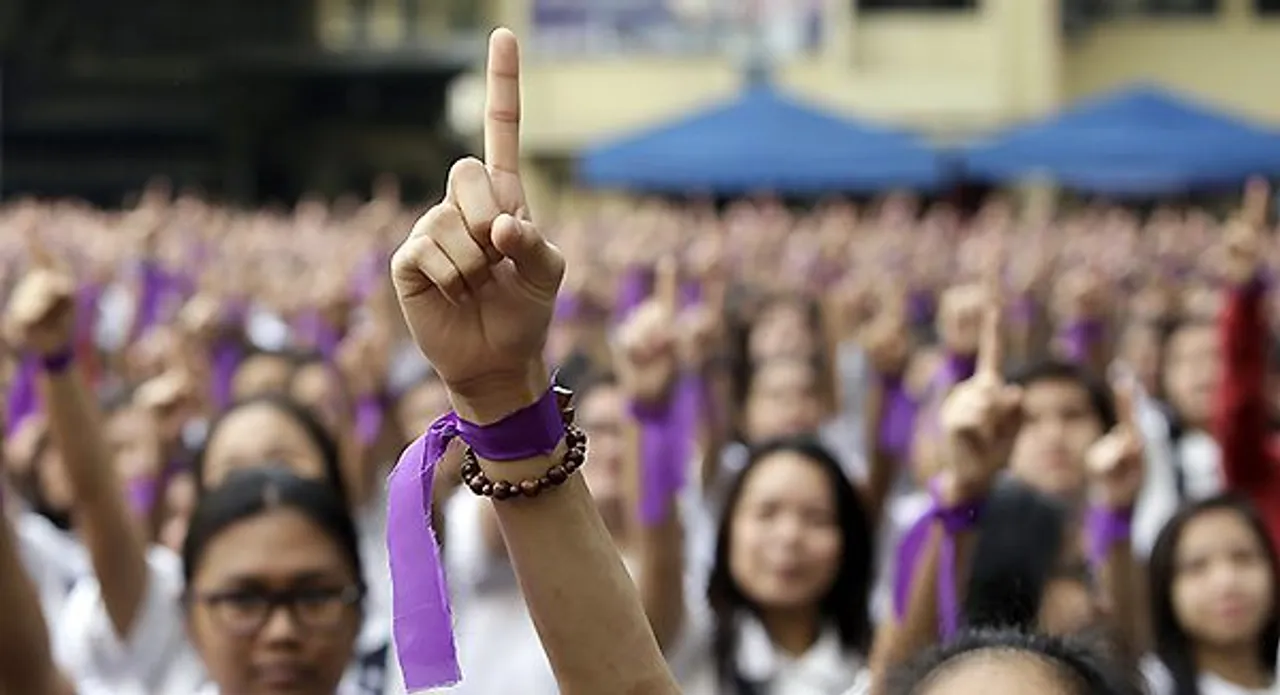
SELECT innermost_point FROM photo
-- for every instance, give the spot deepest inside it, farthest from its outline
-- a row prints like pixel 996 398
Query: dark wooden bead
pixel 570 466
pixel 470 468
pixel 502 490
pixel 544 482
pixel 530 488
pixel 477 484
pixel 557 475
pixel 576 455
pixel 487 490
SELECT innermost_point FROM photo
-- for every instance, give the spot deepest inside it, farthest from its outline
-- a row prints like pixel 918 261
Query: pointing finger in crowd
pixel 502 103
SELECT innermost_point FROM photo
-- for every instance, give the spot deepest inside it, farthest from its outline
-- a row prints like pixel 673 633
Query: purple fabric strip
pixel 911 549
pixel 369 413
pixel 666 436
pixel 906 561
pixel 568 307
pixel 226 359
pixel 422 622
pixel 957 368
pixel 1079 338
pixel 533 431
pixel 948 603
pixel 142 494
pixel 24 399
pixel 1106 529
pixel 897 420
pixel 635 287
pixel 150 297
pixel 690 293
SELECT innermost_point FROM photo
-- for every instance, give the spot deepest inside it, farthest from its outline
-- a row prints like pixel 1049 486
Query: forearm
pixel 660 578
pixel 103 519
pixel 1122 582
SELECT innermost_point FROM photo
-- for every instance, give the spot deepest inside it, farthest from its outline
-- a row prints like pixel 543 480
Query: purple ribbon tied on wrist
pixel 897 420
pixel 422 621
pixel 1107 528
pixel 666 445
pixel 1080 337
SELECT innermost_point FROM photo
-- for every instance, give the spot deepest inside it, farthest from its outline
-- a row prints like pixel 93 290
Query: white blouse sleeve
pixel 90 649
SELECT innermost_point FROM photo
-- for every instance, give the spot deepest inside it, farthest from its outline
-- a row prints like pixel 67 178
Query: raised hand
pixel 1115 462
pixel 960 316
pixel 647 343
pixel 1245 253
pixel 41 313
pixel 475 278
pixel 981 415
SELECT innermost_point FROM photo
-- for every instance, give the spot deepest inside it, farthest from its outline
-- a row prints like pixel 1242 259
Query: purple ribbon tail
pixel 635 287
pixel 666 444
pixel 422 621
pixel 226 359
pixel 142 494
pixel 1080 337
pixel 368 420
pixel 898 421
pixel 24 399
pixel 948 604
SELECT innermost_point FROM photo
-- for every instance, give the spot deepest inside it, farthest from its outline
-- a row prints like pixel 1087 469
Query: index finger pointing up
pixel 502 103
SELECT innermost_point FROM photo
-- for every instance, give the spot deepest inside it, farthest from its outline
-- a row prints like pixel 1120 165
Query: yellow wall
pixel 1231 60
pixel 948 73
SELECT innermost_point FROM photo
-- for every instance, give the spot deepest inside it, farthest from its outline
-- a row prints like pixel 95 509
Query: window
pixel 917 4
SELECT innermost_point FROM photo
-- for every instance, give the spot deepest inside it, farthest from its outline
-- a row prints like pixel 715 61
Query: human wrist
pixel 491 398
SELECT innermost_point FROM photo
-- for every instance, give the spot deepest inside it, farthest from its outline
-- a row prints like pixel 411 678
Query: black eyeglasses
pixel 244 612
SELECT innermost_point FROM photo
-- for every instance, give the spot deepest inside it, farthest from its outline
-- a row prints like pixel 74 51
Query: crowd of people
pixel 885 449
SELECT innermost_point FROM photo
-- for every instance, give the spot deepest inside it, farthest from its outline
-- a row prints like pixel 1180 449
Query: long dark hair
pixel 845 603
pixel 1172 643
pixel 1018 548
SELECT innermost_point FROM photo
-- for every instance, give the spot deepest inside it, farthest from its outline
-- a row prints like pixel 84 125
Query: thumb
pixel 536 260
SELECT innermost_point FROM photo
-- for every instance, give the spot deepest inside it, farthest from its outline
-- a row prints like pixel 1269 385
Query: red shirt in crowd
pixel 1250 450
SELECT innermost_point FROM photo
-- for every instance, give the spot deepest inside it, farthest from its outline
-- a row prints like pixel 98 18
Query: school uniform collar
pixel 826 664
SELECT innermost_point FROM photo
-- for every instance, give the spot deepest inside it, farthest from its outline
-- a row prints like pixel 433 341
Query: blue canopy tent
pixel 763 140
pixel 1137 141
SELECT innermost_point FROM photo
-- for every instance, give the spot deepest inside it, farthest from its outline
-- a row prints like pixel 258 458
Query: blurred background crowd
pixel 784 222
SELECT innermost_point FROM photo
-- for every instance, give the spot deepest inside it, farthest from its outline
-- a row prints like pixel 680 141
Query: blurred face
pixel 1193 367
pixel 319 389
pixel 782 331
pixel 258 434
pixel 992 672
pixel 1222 590
pixel 601 414
pixel 783 401
pixel 261 374
pixel 420 406
pixel 253 647
pixel 134 440
pixel 785 543
pixel 1058 427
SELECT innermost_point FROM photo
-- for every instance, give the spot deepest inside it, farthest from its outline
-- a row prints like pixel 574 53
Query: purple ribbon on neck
pixel 24 399
pixel 422 621
pixel 1080 337
pixel 911 549
pixel 897 420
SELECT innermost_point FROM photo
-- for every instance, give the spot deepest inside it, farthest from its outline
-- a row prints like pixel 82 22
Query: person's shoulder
pixel 1155 675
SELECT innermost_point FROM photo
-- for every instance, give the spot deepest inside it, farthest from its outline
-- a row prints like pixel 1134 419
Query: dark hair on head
pixel 1079 668
pixel 315 431
pixel 844 604
pixel 1100 397
pixel 315 359
pixel 1018 549
pixel 1173 645
pixel 248 493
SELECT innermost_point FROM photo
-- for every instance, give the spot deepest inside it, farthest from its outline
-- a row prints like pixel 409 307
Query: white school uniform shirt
pixel 1198 456
pixel 54 560
pixel 157 658
pixel 825 669
pixel 1160 682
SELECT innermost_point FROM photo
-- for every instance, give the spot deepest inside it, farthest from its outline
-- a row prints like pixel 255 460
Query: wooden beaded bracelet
pixel 576 455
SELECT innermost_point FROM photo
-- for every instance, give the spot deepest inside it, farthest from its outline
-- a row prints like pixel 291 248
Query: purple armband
pixel 142 494
pixel 635 287
pixel 666 443
pixel 422 621
pixel 23 398
pixel 1107 528
pixel 58 362
pixel 897 419
pixel 1080 337
pixel 954 520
